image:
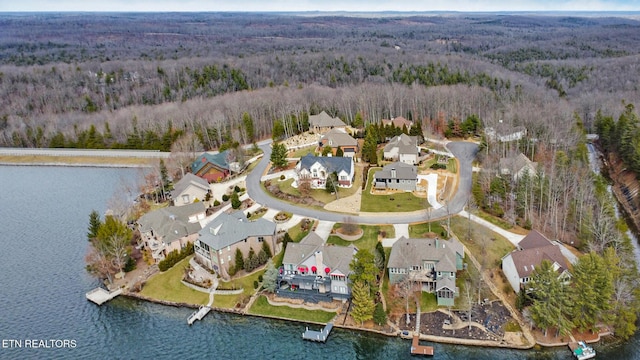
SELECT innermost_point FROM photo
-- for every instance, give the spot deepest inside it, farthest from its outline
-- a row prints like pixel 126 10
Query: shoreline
pixel 79 164
pixel 397 333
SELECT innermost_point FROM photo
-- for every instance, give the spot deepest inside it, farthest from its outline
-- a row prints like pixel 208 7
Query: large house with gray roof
pixel 217 241
pixel 316 169
pixel 519 264
pixel 403 148
pixel 517 165
pixel 170 228
pixel 315 271
pixel 338 138
pixel 396 176
pixel 432 263
pixel 323 122
pixel 189 189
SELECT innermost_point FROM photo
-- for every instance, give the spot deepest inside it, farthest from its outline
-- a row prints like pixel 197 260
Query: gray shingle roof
pixel 408 252
pixel 189 179
pixel 402 172
pixel 337 137
pixel 226 230
pixel 334 257
pixel 445 282
pixel 219 160
pixel 324 120
pixel 406 144
pixel 331 163
pixel 514 164
pixel 172 223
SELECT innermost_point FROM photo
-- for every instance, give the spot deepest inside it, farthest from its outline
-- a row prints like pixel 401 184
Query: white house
pixel 188 189
pixel 403 148
pixel 316 169
pixel 518 265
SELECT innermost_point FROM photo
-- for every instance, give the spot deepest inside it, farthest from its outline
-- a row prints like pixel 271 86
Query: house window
pixel 260 238
pixel 221 261
pixel 229 258
pixel 185 198
pixel 228 248
pixel 220 251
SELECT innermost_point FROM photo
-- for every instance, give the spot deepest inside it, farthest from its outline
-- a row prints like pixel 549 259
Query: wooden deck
pixel 319 336
pixel 417 349
pixel 101 296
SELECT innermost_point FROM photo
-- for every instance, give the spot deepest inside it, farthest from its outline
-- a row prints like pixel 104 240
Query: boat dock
pixel 581 350
pixel 198 315
pixel 417 349
pixel 319 336
pixel 100 296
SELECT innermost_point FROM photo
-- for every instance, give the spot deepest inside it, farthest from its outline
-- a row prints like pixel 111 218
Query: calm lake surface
pixel 44 214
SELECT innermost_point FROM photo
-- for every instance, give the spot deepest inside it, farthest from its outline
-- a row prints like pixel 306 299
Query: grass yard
pixel 487 246
pixel 321 194
pixel 428 302
pixel 245 282
pixel 297 233
pixel 397 202
pixel 167 286
pixel 262 307
pixel 302 152
pixel 368 240
pixel 420 229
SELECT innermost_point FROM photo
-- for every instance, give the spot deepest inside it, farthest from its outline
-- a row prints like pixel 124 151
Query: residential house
pixel 323 122
pixel 398 122
pixel 212 167
pixel 170 228
pixel 432 263
pixel 403 148
pixel 189 189
pixel 315 271
pixel 338 138
pixel 396 176
pixel 316 169
pixel 516 166
pixel 217 241
pixel 531 250
pixel 504 132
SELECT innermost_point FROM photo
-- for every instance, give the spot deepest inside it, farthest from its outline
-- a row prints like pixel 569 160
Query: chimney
pixel 319 263
pixel 393 173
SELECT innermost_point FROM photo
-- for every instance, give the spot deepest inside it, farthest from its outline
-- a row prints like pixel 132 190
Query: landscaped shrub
pixel 282 177
pixel 232 270
pixel 437 166
pixel 236 189
pixel 255 284
pixel 225 197
pixel 216 203
pixel 260 278
pixel 174 257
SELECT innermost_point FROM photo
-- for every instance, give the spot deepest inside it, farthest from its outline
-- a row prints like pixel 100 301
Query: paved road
pixel 464 151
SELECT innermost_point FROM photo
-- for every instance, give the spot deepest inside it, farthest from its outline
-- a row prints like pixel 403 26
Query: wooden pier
pixel 319 336
pixel 101 296
pixel 417 349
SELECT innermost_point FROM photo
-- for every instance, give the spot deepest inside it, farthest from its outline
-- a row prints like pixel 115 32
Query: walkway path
pixel 400 231
pixel 513 238
pixel 324 229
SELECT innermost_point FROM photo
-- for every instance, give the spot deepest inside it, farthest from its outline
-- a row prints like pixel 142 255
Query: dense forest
pixel 146 81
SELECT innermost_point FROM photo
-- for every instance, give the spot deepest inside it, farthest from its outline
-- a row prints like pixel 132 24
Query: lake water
pixel 44 215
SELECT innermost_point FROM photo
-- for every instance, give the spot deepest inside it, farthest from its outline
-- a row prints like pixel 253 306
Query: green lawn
pixel 296 233
pixel 428 302
pixel 302 152
pixel 494 220
pixel 487 246
pixel 319 194
pixel 368 240
pixel 246 283
pixel 167 286
pixel 398 202
pixel 419 230
pixel 262 307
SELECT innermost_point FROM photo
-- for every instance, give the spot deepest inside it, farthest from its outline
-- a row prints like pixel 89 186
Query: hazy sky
pixel 322 5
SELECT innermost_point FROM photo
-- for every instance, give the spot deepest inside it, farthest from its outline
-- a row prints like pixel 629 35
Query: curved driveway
pixel 465 152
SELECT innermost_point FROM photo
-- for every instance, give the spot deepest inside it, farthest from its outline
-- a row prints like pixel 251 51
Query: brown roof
pixel 533 240
pixel 337 137
pixel 398 122
pixel 325 120
pixel 526 261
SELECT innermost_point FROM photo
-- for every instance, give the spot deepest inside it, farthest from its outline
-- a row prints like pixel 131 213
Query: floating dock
pixel 417 349
pixel 581 350
pixel 101 296
pixel 319 336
